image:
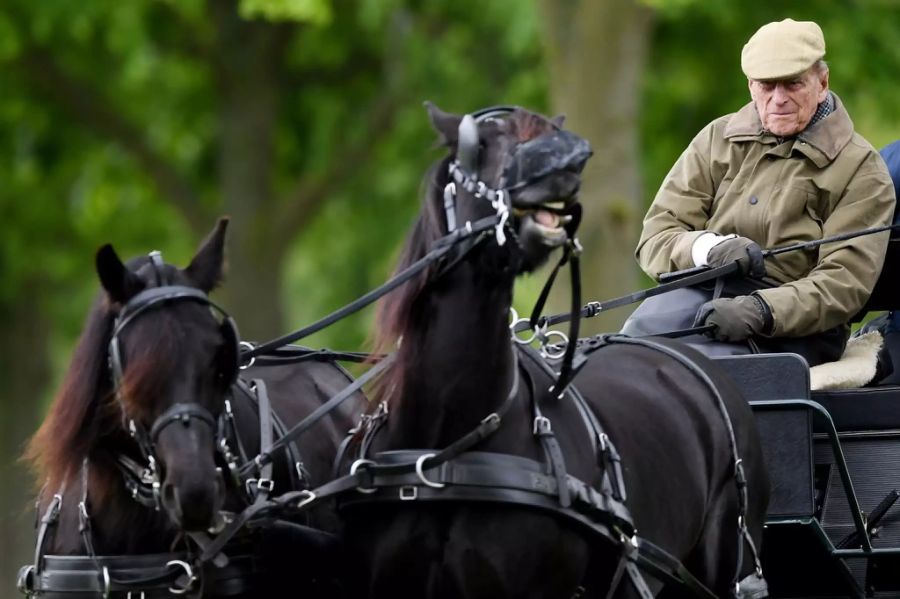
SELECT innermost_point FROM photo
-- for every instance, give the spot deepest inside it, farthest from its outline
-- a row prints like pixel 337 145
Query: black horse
pixel 142 448
pixel 456 364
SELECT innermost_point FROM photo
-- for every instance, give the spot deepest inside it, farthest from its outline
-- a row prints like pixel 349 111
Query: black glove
pixel 745 251
pixel 735 319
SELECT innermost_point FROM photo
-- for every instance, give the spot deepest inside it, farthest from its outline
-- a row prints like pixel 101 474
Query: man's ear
pixel 445 123
pixel 823 80
pixel 120 283
pixel 208 264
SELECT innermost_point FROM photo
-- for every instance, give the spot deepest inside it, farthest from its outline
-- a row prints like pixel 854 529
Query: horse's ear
pixel 120 283
pixel 208 265
pixel 445 123
pixel 558 120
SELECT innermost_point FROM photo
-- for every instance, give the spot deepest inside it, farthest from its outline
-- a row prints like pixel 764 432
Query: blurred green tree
pixel 140 122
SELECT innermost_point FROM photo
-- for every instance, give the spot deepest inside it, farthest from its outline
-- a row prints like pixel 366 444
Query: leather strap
pixel 264 483
pixel 317 414
pixel 442 247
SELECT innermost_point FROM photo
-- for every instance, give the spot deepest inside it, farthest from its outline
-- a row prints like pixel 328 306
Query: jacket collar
pixel 821 143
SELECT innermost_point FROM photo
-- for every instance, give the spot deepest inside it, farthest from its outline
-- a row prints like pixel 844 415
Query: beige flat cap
pixel 782 49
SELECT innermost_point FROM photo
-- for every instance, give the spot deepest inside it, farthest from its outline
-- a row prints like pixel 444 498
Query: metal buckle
pixel 409 493
pixel 192 578
pixel 542 426
pixel 309 497
pixel 354 467
pixel 492 418
pixel 419 465
pixel 131 595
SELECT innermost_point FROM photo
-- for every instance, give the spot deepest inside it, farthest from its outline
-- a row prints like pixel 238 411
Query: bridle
pixel 153 575
pixel 144 483
pixel 463 171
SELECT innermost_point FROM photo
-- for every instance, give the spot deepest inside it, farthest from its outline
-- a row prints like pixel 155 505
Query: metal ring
pixel 354 467
pixel 520 340
pixel 421 474
pixel 551 355
pixel 190 574
pixel 249 346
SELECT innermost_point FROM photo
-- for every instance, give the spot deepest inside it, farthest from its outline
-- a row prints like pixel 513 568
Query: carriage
pixel 828 454
pixel 833 460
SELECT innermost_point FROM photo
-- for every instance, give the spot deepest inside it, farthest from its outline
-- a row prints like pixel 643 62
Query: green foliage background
pixel 92 92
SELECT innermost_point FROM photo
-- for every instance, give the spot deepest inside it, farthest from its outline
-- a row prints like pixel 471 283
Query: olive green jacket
pixel 736 178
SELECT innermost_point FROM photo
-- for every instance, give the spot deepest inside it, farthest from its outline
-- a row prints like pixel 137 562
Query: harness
pixel 459 473
pixel 176 573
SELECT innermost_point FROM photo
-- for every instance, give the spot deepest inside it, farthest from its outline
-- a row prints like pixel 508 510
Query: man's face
pixel 786 106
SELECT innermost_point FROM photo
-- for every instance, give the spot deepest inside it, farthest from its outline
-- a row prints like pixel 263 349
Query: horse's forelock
pixel 154 362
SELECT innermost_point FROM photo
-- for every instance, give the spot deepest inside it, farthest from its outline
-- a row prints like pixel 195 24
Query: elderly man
pixel 786 168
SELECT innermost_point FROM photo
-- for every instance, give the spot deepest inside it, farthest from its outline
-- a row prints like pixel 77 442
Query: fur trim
pixel 855 368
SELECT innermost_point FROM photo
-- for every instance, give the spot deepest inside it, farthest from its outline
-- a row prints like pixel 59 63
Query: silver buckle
pixel 409 493
pixel 192 578
pixel 308 497
pixel 542 426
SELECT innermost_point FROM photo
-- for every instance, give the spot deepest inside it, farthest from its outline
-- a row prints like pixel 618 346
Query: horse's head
pixel 511 159
pixel 173 357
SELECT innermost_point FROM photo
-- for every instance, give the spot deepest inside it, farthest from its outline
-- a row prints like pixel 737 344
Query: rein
pixel 441 248
pixel 806 245
pixel 594 308
pixel 686 278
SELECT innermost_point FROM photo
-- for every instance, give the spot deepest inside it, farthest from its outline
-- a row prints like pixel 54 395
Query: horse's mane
pixel 83 410
pixel 396 317
pixel 73 421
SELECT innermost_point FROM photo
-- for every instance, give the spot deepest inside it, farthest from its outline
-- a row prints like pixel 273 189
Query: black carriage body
pixel 834 461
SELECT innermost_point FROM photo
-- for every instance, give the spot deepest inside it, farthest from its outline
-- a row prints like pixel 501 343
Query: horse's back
pixel 661 404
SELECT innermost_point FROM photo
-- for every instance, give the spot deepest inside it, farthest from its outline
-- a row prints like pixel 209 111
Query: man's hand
pixel 745 251
pixel 735 319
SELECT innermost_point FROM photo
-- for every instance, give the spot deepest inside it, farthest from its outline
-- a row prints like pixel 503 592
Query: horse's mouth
pixel 547 222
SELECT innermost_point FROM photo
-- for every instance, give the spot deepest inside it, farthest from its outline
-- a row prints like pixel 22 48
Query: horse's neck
pixel 460 360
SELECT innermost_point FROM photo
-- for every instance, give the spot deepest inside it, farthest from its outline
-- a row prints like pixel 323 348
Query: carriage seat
pixel 866 409
pixel 772 377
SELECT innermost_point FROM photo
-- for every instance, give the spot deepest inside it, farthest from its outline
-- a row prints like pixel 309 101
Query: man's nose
pixel 780 94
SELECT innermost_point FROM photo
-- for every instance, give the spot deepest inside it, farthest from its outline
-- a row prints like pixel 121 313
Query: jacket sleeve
pixel 846 272
pixel 679 211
